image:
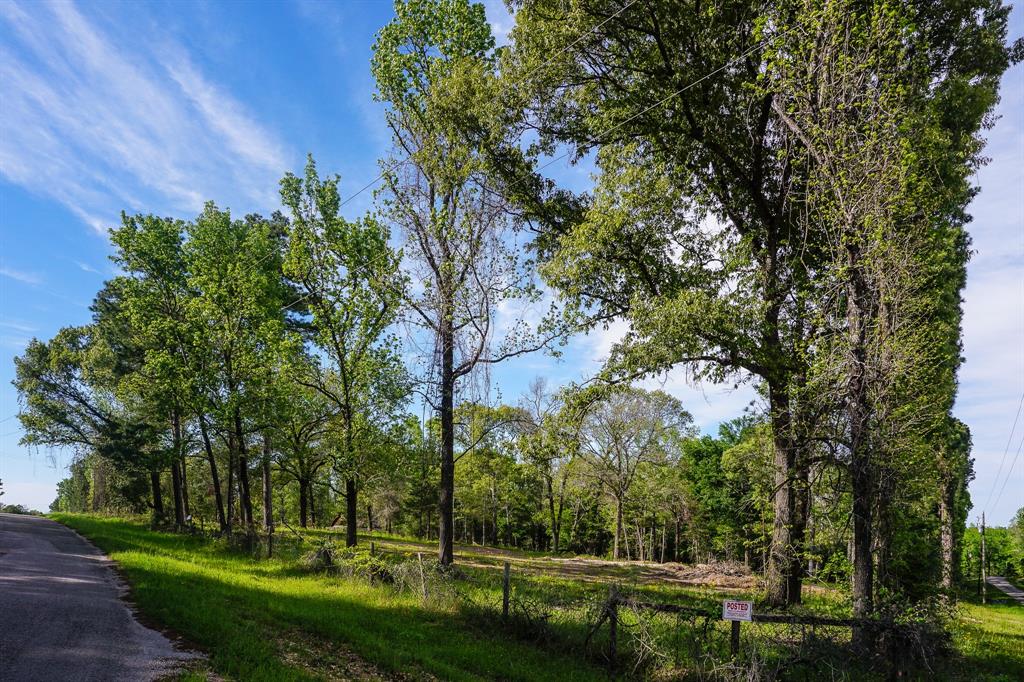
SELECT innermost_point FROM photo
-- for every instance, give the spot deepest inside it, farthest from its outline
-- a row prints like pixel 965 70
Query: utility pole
pixel 984 576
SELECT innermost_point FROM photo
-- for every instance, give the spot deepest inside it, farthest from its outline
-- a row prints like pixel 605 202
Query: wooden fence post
pixel 504 592
pixel 373 549
pixel 613 627
pixel 423 580
pixel 734 639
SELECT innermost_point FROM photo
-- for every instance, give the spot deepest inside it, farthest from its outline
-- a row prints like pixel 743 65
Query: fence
pixel 897 640
pixel 614 630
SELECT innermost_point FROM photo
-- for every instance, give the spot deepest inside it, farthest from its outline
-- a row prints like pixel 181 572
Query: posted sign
pixel 737 610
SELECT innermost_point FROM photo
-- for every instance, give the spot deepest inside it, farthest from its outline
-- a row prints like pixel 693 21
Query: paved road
pixel 1004 585
pixel 62 616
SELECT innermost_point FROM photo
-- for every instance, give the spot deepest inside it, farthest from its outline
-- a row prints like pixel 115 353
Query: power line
pixel 676 93
pixel 1009 441
pixel 1009 471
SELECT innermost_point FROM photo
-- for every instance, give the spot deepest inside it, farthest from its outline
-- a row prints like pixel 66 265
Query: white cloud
pixel 502 22
pixel 85 267
pixel 17 343
pixel 992 377
pixel 101 127
pixel 18 326
pixel 29 278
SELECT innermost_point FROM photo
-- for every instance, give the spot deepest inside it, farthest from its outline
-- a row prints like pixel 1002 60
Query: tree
pixel 235 319
pixel 690 234
pixel 349 278
pixel 146 309
pixel 956 471
pixel 300 435
pixel 549 441
pixel 628 428
pixel 888 149
pixel 435 58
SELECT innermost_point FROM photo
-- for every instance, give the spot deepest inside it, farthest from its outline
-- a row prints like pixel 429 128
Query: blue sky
pixel 157 107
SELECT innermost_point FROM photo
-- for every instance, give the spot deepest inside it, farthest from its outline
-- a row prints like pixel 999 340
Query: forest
pixel 779 200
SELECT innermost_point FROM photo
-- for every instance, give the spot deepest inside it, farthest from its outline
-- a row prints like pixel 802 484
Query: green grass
pixel 271 620
pixel 265 620
pixel 990 639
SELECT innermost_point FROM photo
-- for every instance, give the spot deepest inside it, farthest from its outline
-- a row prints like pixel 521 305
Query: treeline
pixel 780 198
pixel 1004 552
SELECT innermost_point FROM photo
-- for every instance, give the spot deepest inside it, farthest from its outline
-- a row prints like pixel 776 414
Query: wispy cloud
pixel 29 278
pixel 13 342
pixel 101 127
pixel 18 326
pixel 85 267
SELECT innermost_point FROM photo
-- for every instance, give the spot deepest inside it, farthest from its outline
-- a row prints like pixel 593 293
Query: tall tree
pixel 690 235
pixel 886 120
pixel 153 304
pixel 435 58
pixel 349 278
pixel 549 440
pixel 236 319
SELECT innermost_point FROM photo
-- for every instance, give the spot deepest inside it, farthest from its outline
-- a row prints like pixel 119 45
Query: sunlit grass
pixel 263 619
pixel 991 640
pixel 243 612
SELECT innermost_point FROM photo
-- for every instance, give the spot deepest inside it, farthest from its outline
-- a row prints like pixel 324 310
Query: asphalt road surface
pixel 1001 583
pixel 62 615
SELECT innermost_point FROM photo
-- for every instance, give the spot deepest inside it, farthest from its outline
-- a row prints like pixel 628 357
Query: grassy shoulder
pixel 990 639
pixel 266 620
pixel 271 620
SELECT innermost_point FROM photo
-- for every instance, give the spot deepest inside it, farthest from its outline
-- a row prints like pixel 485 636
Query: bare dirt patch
pixel 730 575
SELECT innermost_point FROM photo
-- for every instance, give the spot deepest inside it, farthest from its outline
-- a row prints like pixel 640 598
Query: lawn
pixel 991 640
pixel 274 620
pixel 266 620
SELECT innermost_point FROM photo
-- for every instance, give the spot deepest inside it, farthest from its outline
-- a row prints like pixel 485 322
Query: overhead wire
pixel 1002 461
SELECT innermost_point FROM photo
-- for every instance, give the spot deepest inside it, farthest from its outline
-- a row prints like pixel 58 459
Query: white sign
pixel 737 610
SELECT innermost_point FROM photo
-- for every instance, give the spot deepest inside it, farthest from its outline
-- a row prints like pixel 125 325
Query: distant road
pixel 62 616
pixel 1004 585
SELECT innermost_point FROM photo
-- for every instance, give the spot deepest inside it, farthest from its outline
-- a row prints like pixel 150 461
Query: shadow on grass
pixel 235 609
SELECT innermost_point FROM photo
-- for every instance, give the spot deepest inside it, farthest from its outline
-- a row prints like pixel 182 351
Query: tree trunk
pixel 312 504
pixel 784 574
pixel 446 501
pixel 179 510
pixel 351 513
pixel 214 475
pixel 618 529
pixel 946 503
pixel 179 503
pixel 268 501
pixel 158 497
pixel 184 488
pixel 303 504
pixel 857 417
pixel 244 492
pixel 369 517
pixel 231 483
